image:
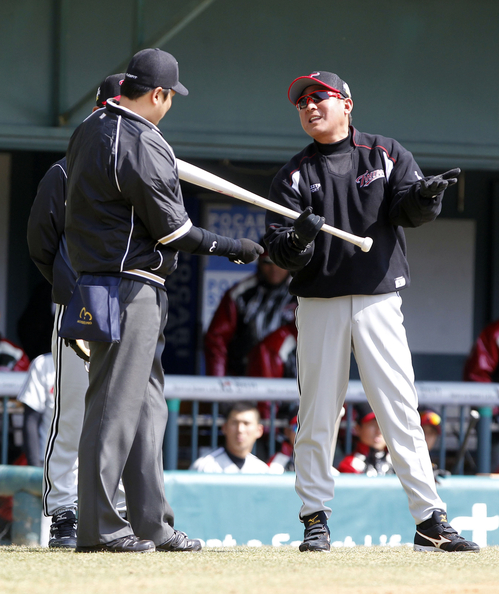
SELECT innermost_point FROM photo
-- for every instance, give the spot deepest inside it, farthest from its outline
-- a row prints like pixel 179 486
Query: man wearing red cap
pixel 367 185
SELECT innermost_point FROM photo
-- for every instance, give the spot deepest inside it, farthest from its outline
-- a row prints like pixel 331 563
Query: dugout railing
pixel 456 402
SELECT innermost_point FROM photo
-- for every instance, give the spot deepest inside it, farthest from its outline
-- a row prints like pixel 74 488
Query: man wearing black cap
pixel 125 223
pixel 48 249
pixel 368 185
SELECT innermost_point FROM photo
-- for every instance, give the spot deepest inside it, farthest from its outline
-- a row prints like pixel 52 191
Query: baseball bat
pixel 474 418
pixel 200 177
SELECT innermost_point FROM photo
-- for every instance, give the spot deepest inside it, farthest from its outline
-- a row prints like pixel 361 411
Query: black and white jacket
pixel 46 239
pixel 366 185
pixel 124 203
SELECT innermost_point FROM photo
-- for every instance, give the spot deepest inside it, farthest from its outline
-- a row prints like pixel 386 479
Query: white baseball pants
pixel 60 475
pixel 371 326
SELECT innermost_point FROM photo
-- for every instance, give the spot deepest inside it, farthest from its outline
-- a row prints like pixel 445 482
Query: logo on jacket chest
pixel 368 177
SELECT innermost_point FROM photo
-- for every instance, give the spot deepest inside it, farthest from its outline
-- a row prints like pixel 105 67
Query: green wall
pixel 423 72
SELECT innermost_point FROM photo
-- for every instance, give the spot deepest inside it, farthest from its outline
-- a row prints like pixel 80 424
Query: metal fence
pixel 455 402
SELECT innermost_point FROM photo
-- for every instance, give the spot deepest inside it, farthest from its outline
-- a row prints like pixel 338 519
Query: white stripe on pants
pixel 60 476
pixel 371 326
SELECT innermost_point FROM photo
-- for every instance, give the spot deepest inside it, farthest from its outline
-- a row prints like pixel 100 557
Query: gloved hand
pixel 306 228
pixel 247 252
pixel 433 185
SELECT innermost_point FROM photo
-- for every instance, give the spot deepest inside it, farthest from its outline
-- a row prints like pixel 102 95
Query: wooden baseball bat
pixel 200 177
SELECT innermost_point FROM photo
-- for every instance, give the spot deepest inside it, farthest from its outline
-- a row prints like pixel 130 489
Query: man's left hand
pixel 433 185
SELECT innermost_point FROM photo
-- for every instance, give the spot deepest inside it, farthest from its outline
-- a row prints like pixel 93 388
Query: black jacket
pixel 368 186
pixel 46 239
pixel 124 200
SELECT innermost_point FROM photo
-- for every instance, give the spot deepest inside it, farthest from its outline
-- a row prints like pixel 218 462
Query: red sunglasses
pixel 316 97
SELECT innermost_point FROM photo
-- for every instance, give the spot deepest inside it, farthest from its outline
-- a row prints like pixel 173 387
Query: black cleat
pixel 180 542
pixel 63 530
pixel 125 544
pixel 316 533
pixel 436 534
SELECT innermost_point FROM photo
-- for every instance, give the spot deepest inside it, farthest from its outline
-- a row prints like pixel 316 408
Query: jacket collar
pixel 116 108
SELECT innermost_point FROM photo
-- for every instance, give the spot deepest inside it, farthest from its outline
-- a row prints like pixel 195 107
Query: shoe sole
pixel 104 549
pixel 423 549
pixel 179 551
pixel 62 546
pixel 309 549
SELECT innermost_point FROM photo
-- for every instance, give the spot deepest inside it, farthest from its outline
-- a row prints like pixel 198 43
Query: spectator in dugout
pixel 248 312
pixel 241 430
pixel 431 424
pixel 370 456
pixel 12 357
pixel 37 396
pixel 482 365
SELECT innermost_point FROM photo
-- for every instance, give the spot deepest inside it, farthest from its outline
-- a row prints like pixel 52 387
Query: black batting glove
pixel 305 229
pixel 434 185
pixel 246 251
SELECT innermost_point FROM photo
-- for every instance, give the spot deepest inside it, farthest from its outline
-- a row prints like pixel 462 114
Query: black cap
pixel 363 412
pixel 109 87
pixel 155 68
pixel 326 79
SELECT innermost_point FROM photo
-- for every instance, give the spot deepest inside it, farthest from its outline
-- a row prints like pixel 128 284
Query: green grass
pixel 243 570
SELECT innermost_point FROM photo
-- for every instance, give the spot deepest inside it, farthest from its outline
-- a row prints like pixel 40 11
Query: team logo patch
pixel 85 317
pixel 315 187
pixel 368 177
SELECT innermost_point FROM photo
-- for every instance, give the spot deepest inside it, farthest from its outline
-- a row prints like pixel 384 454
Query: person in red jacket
pixel 248 312
pixel 275 355
pixel 370 457
pixel 12 357
pixel 482 364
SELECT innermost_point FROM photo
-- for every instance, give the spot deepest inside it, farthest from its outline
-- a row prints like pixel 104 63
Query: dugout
pixel 424 73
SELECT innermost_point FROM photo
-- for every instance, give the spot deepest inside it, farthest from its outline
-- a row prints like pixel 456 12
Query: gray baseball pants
pixel 124 426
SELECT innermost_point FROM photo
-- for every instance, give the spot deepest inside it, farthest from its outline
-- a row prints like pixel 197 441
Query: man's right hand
pixel 247 252
pixel 306 228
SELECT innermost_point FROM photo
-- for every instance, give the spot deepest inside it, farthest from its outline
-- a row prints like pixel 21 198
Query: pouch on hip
pixel 93 313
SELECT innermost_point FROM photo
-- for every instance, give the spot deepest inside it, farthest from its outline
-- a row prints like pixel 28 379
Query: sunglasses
pixel 316 97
